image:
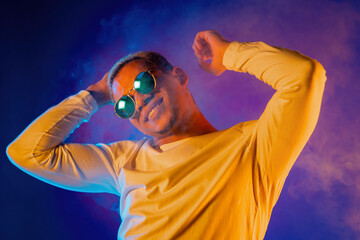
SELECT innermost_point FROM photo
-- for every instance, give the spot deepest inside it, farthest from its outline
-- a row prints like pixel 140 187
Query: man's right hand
pixel 101 92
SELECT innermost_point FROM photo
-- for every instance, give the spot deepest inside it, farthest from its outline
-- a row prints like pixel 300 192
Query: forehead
pixel 123 81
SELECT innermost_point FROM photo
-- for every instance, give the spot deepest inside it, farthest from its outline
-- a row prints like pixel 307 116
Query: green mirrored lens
pixel 144 83
pixel 125 107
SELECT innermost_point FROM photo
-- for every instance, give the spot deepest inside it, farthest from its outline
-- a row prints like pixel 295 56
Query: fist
pixel 209 48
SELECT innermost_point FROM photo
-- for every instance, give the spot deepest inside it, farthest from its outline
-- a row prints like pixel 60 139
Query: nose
pixel 142 100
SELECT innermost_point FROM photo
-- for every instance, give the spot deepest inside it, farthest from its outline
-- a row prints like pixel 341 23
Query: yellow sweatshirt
pixel 221 185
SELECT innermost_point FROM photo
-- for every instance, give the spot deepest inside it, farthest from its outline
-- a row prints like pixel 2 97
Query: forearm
pixel 52 127
pixel 279 67
pixel 39 150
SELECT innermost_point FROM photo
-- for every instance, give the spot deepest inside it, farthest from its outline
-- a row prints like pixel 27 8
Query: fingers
pixel 203 45
pixel 202 36
pixel 202 58
pixel 202 49
pixel 210 45
pixel 196 49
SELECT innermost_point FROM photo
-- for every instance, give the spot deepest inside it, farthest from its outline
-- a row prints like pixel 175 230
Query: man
pixel 187 180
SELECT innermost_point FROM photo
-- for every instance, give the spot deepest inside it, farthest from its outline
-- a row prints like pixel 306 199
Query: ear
pixel 180 75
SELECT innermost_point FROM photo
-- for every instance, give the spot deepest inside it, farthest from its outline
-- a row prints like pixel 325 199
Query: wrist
pixel 99 97
pixel 223 50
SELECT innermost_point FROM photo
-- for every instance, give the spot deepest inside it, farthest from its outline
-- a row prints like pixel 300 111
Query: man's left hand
pixel 210 45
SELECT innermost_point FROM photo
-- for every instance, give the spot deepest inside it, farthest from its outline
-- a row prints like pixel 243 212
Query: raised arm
pixel 39 150
pixel 291 115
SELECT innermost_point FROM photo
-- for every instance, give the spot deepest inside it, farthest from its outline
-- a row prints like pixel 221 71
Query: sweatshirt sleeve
pixel 39 150
pixel 291 114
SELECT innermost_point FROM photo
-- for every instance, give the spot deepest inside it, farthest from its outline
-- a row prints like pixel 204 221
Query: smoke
pixel 325 30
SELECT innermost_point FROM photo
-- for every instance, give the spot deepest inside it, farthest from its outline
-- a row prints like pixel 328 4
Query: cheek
pixel 140 127
pixel 135 123
pixel 169 110
pixel 175 102
pixel 168 105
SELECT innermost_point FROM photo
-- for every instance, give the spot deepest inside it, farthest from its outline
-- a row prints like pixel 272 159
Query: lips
pixel 147 110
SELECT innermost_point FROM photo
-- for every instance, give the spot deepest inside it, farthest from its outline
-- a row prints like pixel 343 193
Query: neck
pixel 195 125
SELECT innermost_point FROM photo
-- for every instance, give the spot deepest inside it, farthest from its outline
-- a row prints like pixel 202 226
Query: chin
pixel 160 126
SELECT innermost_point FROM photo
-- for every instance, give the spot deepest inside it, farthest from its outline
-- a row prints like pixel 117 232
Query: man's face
pixel 159 112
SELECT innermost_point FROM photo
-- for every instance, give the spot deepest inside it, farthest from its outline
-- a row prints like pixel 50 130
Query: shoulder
pixel 125 147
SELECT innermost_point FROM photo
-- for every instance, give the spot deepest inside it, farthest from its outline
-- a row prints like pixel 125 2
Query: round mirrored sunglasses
pixel 144 83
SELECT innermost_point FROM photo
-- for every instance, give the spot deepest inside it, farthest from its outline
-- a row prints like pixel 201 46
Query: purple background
pixel 50 51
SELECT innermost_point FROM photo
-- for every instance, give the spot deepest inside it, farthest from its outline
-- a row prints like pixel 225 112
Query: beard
pixel 168 126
